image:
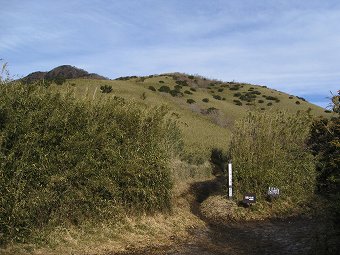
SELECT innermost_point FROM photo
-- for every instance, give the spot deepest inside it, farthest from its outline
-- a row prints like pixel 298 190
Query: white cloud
pixel 289 45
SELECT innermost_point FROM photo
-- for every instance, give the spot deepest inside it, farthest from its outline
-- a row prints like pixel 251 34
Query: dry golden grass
pixel 218 209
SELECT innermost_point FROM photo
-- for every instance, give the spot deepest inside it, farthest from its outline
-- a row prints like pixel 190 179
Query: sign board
pixel 249 198
pixel 273 192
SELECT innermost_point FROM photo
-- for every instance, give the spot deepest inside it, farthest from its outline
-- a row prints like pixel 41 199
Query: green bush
pixel 164 89
pixel 193 89
pixel 188 92
pixel 255 92
pixel 178 87
pixel 106 89
pixel 182 83
pixel 126 78
pixel 260 101
pixel 211 109
pixel 190 101
pixel 176 93
pixel 236 87
pixel 297 102
pixel 248 97
pixel 220 90
pixel 217 97
pixel 325 144
pixel 67 161
pixel 205 100
pixel 269 150
pixel 271 98
pixel 238 102
pixel 152 88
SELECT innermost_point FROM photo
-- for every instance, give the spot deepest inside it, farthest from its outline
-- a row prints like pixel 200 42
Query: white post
pixel 230 180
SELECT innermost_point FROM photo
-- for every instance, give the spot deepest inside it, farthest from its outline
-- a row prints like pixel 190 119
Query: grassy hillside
pixel 204 109
pixel 108 159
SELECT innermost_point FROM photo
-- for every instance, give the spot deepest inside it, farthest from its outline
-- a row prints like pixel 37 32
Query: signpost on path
pixel 230 180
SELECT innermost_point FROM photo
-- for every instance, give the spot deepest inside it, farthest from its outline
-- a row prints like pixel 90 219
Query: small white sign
pixel 273 191
pixel 230 180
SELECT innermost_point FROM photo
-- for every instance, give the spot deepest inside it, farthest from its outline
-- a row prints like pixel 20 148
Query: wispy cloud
pixel 288 45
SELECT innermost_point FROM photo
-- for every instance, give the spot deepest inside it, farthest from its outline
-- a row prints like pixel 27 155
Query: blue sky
pixel 292 46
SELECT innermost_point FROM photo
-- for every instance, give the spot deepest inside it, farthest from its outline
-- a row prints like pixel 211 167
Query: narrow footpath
pixel 288 236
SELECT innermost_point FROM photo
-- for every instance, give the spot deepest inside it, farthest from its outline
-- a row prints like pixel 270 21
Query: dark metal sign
pixel 249 198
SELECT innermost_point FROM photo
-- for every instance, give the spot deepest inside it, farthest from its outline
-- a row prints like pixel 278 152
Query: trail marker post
pixel 230 180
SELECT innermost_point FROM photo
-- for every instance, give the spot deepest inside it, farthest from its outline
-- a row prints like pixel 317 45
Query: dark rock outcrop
pixel 62 72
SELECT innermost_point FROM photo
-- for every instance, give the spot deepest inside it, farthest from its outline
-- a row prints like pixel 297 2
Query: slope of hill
pixel 205 109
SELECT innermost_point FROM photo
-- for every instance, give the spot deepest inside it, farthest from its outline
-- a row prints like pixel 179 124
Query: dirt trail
pixel 289 236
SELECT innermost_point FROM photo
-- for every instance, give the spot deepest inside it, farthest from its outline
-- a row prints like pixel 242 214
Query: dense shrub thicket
pixel 65 161
pixel 325 145
pixel 268 150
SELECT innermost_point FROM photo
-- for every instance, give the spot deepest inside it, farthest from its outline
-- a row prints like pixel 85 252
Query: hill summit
pixel 62 72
